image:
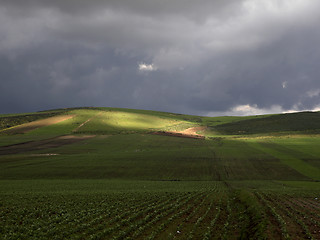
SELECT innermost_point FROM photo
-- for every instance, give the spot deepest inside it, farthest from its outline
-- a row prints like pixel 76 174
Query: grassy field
pixel 102 173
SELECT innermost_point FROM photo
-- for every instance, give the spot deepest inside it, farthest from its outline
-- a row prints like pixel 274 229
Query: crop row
pixel 83 217
pixel 203 214
pixel 296 218
pixel 35 217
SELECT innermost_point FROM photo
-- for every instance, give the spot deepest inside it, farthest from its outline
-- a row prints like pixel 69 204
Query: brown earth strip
pixel 175 134
pixel 27 127
pixel 187 133
pixel 42 144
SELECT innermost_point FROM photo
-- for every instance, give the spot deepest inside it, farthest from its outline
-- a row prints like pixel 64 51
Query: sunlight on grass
pixel 128 121
pixel 136 121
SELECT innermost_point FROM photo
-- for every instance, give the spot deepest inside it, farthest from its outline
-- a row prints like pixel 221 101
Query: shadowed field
pixel 41 144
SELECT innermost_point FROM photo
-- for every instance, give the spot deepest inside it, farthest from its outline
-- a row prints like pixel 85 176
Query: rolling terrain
pixel 108 173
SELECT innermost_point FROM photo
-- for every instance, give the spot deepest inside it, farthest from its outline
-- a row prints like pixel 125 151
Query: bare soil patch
pixel 42 144
pixel 27 127
pixel 175 134
pixel 192 131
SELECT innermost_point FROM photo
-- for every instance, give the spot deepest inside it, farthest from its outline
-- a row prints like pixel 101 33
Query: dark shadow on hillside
pixel 303 122
pixel 41 145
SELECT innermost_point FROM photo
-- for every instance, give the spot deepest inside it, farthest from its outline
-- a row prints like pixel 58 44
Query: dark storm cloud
pixel 200 57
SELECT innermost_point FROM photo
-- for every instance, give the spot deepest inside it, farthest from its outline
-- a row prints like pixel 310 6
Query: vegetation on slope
pixel 305 122
pixel 11 120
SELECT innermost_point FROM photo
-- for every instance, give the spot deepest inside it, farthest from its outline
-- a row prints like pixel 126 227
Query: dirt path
pixel 27 127
pixel 85 122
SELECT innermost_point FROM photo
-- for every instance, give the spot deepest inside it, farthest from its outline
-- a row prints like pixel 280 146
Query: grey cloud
pixel 209 55
pixel 186 8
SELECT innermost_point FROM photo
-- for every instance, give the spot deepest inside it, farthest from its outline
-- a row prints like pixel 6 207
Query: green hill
pixel 302 122
pixel 110 173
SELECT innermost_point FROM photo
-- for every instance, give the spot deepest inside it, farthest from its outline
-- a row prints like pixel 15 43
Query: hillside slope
pixel 121 143
pixel 110 173
pixel 303 122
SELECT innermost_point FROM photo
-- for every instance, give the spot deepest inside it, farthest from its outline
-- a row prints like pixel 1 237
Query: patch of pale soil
pixel 192 131
pixel 27 127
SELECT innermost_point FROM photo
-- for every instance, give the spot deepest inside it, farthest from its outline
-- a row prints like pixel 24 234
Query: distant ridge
pixel 300 122
pixel 306 122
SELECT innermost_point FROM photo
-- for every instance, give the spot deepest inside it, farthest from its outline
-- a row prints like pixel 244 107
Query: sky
pixel 204 57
